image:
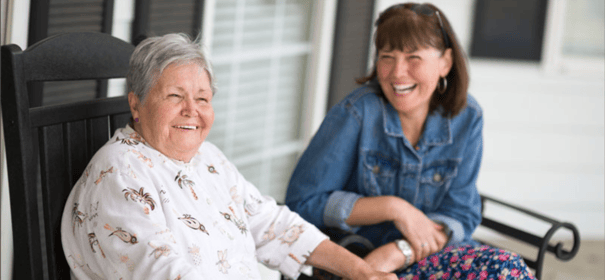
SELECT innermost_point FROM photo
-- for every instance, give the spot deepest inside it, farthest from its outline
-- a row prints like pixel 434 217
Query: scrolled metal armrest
pixel 558 250
pixel 542 243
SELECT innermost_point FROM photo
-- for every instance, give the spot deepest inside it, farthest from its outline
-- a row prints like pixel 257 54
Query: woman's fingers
pixel 425 236
pixel 423 250
pixel 421 242
pixel 441 239
pixel 427 247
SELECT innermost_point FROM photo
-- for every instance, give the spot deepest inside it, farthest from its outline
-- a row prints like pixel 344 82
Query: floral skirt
pixel 468 262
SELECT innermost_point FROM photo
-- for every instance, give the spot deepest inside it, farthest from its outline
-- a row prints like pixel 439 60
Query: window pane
pixel 260 54
pixel 584 28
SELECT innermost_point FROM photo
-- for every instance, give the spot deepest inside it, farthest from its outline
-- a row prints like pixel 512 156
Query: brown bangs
pixel 408 31
pixel 401 28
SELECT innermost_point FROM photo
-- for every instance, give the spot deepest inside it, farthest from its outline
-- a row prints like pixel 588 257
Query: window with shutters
pixel 160 17
pixel 575 38
pixel 51 17
pixel 170 16
pixel 263 52
pixel 271 60
pixel 510 29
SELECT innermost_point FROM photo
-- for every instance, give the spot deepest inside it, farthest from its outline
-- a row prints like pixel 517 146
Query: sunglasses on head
pixel 423 9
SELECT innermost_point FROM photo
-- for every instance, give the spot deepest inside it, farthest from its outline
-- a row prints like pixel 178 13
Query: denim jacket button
pixel 437 177
pixel 417 147
pixel 376 169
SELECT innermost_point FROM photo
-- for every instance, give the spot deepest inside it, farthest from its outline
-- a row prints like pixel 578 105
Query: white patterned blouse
pixel 137 214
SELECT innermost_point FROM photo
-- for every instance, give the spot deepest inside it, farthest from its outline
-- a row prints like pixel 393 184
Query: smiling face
pixel 177 113
pixel 409 79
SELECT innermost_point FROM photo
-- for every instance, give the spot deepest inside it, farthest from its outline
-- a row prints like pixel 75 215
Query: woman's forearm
pixel 387 257
pixel 424 235
pixel 375 210
pixel 331 257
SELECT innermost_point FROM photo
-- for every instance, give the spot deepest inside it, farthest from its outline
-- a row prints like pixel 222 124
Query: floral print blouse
pixel 137 214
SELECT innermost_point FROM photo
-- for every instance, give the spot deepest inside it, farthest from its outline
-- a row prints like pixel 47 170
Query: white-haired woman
pixel 158 202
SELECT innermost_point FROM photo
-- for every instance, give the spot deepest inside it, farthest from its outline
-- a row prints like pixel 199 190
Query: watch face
pixel 406 250
pixel 404 247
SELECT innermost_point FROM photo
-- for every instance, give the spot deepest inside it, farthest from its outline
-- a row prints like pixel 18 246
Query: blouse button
pixel 437 177
pixel 376 169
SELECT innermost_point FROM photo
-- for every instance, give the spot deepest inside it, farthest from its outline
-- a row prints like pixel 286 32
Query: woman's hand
pixel 415 226
pixel 337 260
pixel 425 236
pixel 386 258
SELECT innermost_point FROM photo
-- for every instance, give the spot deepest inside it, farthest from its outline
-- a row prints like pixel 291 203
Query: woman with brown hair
pixel 397 160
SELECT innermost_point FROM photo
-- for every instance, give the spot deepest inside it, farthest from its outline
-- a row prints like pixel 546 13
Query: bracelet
pixel 405 248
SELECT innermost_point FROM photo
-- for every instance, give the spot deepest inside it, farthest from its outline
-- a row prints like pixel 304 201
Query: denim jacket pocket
pixel 435 180
pixel 379 173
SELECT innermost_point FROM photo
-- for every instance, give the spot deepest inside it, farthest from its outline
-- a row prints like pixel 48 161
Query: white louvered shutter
pixel 260 51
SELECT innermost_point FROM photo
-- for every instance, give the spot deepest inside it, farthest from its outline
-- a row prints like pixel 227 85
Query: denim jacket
pixel 360 151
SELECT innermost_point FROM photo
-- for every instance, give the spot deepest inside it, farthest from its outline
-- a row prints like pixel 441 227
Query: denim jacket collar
pixel 436 129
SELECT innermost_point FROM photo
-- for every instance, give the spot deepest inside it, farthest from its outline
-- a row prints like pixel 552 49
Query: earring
pixel 442 86
pixel 136 120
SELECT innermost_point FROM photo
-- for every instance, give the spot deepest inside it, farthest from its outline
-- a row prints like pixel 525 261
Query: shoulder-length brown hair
pixel 401 28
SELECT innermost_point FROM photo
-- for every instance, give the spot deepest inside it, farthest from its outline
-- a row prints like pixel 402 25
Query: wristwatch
pixel 405 248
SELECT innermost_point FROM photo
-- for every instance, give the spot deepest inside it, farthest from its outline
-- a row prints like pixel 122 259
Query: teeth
pixel 187 127
pixel 403 89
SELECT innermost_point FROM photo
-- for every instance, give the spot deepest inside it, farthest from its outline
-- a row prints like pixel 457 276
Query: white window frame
pixel 322 33
pixel 17 18
pixel 318 51
pixel 554 62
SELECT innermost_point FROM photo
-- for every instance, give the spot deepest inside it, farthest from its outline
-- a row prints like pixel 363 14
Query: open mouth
pixel 186 127
pixel 404 89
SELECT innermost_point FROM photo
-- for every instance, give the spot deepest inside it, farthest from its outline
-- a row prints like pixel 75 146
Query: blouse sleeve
pixel 460 209
pixel 283 239
pixel 317 186
pixel 118 225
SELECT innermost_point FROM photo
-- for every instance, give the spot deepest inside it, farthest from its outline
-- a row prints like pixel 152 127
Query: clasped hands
pixel 424 236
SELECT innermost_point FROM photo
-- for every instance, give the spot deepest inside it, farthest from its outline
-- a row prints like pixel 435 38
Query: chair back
pixel 48 147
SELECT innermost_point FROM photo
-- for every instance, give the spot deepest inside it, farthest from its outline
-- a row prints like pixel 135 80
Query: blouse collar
pixel 195 160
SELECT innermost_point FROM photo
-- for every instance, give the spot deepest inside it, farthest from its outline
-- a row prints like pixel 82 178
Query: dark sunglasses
pixel 422 9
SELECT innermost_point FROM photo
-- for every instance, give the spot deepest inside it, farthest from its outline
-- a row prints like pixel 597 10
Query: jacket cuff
pixel 453 228
pixel 338 208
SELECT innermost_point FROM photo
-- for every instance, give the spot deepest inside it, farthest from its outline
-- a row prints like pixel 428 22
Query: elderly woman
pixel 397 160
pixel 158 202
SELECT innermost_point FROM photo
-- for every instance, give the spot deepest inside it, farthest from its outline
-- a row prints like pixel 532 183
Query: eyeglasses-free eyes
pixel 423 9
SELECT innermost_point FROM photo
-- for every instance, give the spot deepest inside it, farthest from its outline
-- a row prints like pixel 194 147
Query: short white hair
pixel 154 54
